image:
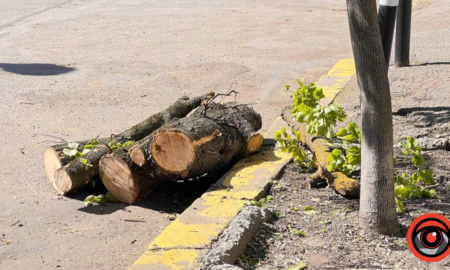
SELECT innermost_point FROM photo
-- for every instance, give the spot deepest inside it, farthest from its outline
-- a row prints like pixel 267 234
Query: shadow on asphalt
pixel 172 197
pixel 35 69
pixel 406 111
pixel 432 64
pixel 426 116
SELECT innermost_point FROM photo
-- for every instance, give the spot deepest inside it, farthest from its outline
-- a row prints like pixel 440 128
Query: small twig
pixel 224 96
pixel 206 102
pixel 130 220
pixel 432 186
pixel 15 223
pixel 51 136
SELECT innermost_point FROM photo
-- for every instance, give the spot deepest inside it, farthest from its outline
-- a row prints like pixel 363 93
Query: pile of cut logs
pixel 192 137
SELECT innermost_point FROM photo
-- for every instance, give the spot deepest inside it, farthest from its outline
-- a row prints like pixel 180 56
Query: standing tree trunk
pixel 377 201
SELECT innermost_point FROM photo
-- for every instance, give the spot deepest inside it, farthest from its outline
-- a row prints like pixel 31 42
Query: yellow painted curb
pixel 204 221
pixel 185 241
pixel 175 259
pixel 336 79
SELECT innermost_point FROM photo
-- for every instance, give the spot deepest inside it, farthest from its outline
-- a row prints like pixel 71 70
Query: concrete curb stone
pixel 234 240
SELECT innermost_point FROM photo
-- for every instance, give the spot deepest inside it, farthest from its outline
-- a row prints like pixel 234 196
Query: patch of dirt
pixel 334 239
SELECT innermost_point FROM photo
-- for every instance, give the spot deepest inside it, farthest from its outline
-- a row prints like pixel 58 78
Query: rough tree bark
pixel 377 201
pixel 66 175
pixel 203 142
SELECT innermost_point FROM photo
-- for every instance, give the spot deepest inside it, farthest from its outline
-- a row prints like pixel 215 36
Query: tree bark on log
pixel 377 204
pixel 66 175
pixel 128 182
pixel 217 117
pixel 203 142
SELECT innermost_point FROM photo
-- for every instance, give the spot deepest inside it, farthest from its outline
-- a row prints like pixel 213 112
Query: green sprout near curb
pixel 407 184
pixel 252 261
pixel 278 214
pixel 263 203
pixel 300 233
pixel 309 210
pixel 100 199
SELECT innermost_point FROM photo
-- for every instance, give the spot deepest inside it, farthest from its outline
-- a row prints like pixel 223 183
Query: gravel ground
pixel 333 238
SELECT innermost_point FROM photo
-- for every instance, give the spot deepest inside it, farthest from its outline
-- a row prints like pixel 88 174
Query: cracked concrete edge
pixel 233 242
pixel 185 242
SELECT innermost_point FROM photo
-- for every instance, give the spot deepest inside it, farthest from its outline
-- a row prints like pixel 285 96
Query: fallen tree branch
pixel 320 147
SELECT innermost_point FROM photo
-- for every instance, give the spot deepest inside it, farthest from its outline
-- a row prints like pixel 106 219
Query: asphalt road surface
pixel 79 68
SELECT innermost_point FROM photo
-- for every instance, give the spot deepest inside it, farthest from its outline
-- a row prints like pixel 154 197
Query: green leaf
pixel 93 142
pixel 417 160
pixel 341 133
pixel 427 176
pixel 349 138
pixel 311 212
pixel 70 152
pixel 85 151
pixel 299 266
pixel 336 152
pixel 432 193
pixel 400 207
pixel 88 146
pixel 85 162
pixel 73 145
pixel 300 233
pixel 254 261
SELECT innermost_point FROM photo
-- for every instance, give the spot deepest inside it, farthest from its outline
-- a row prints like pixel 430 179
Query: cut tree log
pixel 202 131
pixel 203 142
pixel 66 175
pixel 340 182
pixel 128 182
